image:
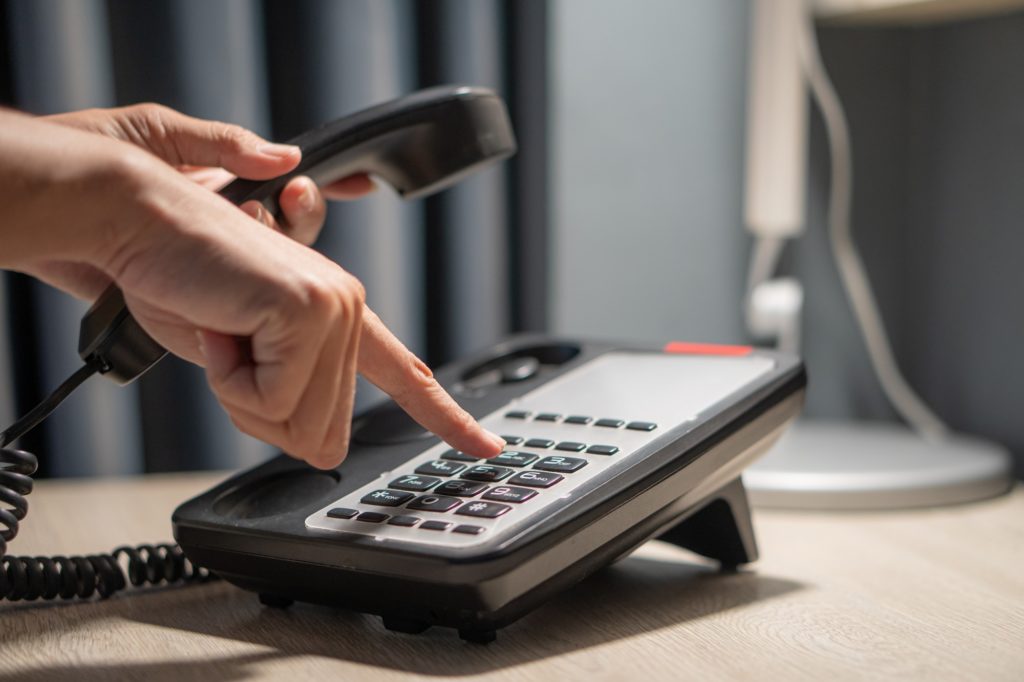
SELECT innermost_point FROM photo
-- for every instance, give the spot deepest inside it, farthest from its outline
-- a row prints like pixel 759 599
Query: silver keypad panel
pixel 580 428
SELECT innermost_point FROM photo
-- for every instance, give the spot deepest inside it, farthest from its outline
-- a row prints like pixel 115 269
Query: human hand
pixel 280 329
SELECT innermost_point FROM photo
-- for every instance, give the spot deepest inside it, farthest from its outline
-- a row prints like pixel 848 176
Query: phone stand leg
pixel 720 530
pixel 275 601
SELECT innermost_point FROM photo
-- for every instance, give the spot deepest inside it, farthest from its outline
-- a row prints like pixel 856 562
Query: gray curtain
pixel 438 272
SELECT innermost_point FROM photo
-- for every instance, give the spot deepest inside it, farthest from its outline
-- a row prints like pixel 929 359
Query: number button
pixel 439 467
pixel 515 459
pixel 460 488
pixel 486 472
pixel 436 503
pixel 506 493
pixel 386 498
pixel 414 483
pixel 535 479
pixel 486 510
pixel 562 464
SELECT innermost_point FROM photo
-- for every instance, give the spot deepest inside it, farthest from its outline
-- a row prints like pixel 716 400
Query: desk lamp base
pixel 872 465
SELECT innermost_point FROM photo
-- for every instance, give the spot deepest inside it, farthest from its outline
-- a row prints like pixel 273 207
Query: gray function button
pixel 457 456
pixel 341 513
pixel 486 472
pixel 571 446
pixel 414 483
pixel 507 493
pixel 435 525
pixel 578 419
pixel 561 464
pixel 460 488
pixel 548 417
pixel 486 510
pixel 438 503
pixel 602 450
pixel 515 459
pixel 468 529
pixel 372 517
pixel 542 443
pixel 406 521
pixel 517 414
pixel 386 498
pixel 535 479
pixel 439 467
pixel 610 423
pixel 641 426
pixel 512 440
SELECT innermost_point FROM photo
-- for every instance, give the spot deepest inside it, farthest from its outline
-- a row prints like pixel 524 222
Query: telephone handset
pixel 419 144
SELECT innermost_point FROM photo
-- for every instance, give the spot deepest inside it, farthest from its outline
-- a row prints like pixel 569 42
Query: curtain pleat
pixel 61 55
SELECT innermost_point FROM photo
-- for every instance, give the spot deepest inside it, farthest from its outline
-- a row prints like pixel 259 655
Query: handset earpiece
pixel 419 144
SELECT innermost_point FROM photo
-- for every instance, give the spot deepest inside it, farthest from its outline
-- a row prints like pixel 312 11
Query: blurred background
pixel 620 217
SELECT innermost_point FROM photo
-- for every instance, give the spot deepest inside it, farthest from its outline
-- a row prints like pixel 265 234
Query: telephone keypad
pixel 497 491
pixel 439 467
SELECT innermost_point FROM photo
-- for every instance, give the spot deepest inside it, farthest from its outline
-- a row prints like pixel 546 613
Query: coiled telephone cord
pixel 30 578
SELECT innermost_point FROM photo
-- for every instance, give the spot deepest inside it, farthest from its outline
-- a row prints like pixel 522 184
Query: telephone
pixel 608 445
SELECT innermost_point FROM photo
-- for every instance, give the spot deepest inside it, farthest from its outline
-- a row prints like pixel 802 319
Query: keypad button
pixel 341 513
pixel 539 443
pixel 507 493
pixel 468 529
pixel 610 423
pixel 456 456
pixel 460 488
pixel 438 503
pixel 414 483
pixel 641 426
pixel 386 498
pixel 512 440
pixel 571 446
pixel 578 419
pixel 404 521
pixel 561 464
pixel 602 450
pixel 486 510
pixel 535 479
pixel 548 417
pixel 435 525
pixel 372 517
pixel 486 472
pixel 517 414
pixel 439 467
pixel 515 459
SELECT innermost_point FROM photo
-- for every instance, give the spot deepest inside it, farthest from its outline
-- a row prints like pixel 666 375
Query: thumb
pixel 183 140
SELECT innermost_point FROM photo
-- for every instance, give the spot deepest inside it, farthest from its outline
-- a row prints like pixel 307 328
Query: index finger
pixel 388 364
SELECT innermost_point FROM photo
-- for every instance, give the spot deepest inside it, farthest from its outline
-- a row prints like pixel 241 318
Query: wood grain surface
pixel 931 595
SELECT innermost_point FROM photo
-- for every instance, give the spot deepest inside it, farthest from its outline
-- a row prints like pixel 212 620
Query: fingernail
pixel 307 200
pixel 496 439
pixel 200 345
pixel 279 151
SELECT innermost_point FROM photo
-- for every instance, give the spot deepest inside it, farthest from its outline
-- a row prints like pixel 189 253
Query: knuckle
pixel 233 137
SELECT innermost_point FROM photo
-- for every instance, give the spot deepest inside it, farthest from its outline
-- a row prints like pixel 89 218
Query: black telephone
pixel 609 445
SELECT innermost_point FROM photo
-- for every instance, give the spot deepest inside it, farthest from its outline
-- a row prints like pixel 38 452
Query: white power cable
pixel 851 269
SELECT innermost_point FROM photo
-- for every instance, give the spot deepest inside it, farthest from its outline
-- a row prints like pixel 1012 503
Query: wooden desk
pixel 936 595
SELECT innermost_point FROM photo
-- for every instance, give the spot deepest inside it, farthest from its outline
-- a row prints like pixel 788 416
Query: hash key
pixel 487 510
pixel 561 464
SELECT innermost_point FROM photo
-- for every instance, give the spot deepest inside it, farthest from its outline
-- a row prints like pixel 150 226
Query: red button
pixel 706 349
